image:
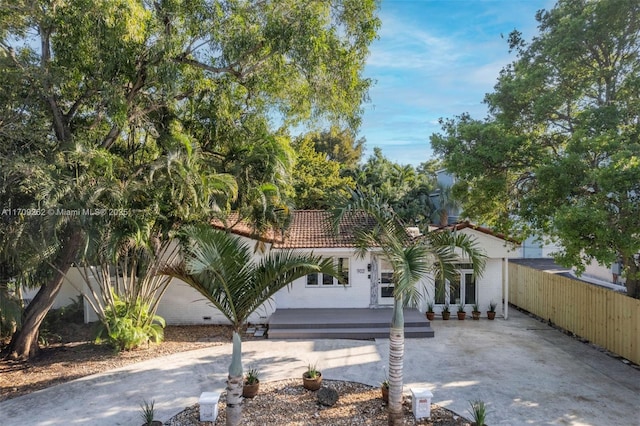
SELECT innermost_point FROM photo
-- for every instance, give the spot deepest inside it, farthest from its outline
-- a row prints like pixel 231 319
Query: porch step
pixel 343 323
pixel 346 333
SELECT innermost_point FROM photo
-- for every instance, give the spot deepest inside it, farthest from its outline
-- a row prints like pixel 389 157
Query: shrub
pixel 129 325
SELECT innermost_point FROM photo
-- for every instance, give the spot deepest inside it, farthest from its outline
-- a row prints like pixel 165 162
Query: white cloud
pixel 435 59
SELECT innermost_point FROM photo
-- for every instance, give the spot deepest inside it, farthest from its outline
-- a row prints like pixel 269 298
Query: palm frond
pixel 220 266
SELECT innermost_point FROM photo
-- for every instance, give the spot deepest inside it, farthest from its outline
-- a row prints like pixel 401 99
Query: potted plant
pixel 430 314
pixel 251 383
pixel 491 313
pixel 461 313
pixel 312 378
pixel 478 412
pixel 384 388
pixel 475 314
pixel 148 413
pixel 445 312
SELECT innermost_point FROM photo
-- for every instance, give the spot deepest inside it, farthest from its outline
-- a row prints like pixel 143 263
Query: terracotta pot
pixel 249 391
pixel 475 315
pixel 154 423
pixel 446 315
pixel 430 315
pixel 461 315
pixel 385 393
pixel 312 384
pixel 491 315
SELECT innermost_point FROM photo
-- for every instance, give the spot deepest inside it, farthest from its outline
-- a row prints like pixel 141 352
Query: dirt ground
pixel 71 353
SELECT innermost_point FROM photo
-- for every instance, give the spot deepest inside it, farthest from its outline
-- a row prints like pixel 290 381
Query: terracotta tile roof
pixel 308 229
pixel 240 227
pixel 312 229
pixel 466 224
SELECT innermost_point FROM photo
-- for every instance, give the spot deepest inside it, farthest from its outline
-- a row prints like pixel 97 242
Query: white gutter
pixel 505 279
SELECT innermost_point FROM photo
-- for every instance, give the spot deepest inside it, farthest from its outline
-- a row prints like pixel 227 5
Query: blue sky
pixel 436 58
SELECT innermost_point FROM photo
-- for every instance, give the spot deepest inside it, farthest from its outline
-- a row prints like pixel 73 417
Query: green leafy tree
pixel 339 145
pixel 316 178
pixel 412 260
pixel 559 154
pixel 221 267
pixel 102 97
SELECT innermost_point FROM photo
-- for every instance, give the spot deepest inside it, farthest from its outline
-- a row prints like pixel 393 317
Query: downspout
pixel 505 278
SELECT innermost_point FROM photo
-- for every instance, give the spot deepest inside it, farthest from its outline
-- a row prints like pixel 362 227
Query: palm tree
pixel 412 259
pixel 220 267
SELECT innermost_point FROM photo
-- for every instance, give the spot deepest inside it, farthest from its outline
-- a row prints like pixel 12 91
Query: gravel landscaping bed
pixel 286 402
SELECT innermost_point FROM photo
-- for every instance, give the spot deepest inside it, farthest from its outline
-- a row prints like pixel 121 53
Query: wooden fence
pixel 604 317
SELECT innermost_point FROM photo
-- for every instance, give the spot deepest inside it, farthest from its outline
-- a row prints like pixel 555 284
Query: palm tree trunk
pixel 396 361
pixel 234 384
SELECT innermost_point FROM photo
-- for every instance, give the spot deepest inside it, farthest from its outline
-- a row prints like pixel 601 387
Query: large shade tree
pixel 412 260
pixel 559 154
pixel 97 94
pixel 222 268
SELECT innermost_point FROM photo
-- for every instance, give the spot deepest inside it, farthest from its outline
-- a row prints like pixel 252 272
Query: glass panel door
pixel 386 284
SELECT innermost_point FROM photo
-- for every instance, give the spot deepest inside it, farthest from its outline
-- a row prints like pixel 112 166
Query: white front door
pixel 385 284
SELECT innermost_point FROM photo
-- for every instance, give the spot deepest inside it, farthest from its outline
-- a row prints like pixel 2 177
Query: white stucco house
pixel 368 281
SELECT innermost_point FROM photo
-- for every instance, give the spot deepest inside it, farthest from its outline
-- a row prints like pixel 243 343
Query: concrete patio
pixel 527 372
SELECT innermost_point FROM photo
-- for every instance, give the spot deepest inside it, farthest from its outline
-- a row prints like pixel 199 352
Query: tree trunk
pixel 24 342
pixel 396 365
pixel 234 384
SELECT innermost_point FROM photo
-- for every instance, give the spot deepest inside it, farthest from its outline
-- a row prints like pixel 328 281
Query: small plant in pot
pixel 461 313
pixel 430 313
pixel 491 313
pixel 148 413
pixel 312 378
pixel 479 412
pixel 475 314
pixel 384 388
pixel 445 312
pixel 251 383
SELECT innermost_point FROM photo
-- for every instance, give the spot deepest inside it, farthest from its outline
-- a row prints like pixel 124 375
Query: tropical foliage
pixel 128 325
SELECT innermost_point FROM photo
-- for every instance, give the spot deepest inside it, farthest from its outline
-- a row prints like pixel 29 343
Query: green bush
pixel 129 325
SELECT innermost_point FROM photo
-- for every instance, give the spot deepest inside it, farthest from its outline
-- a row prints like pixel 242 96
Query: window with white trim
pixel 463 288
pixel 318 279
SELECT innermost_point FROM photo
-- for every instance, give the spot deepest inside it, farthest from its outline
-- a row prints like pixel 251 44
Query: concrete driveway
pixel 527 373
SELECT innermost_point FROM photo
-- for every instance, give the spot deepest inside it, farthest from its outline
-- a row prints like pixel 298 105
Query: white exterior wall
pixel 488 288
pixel 182 305
pixel 356 295
pixel 598 271
pixel 489 285
pixel 67 293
